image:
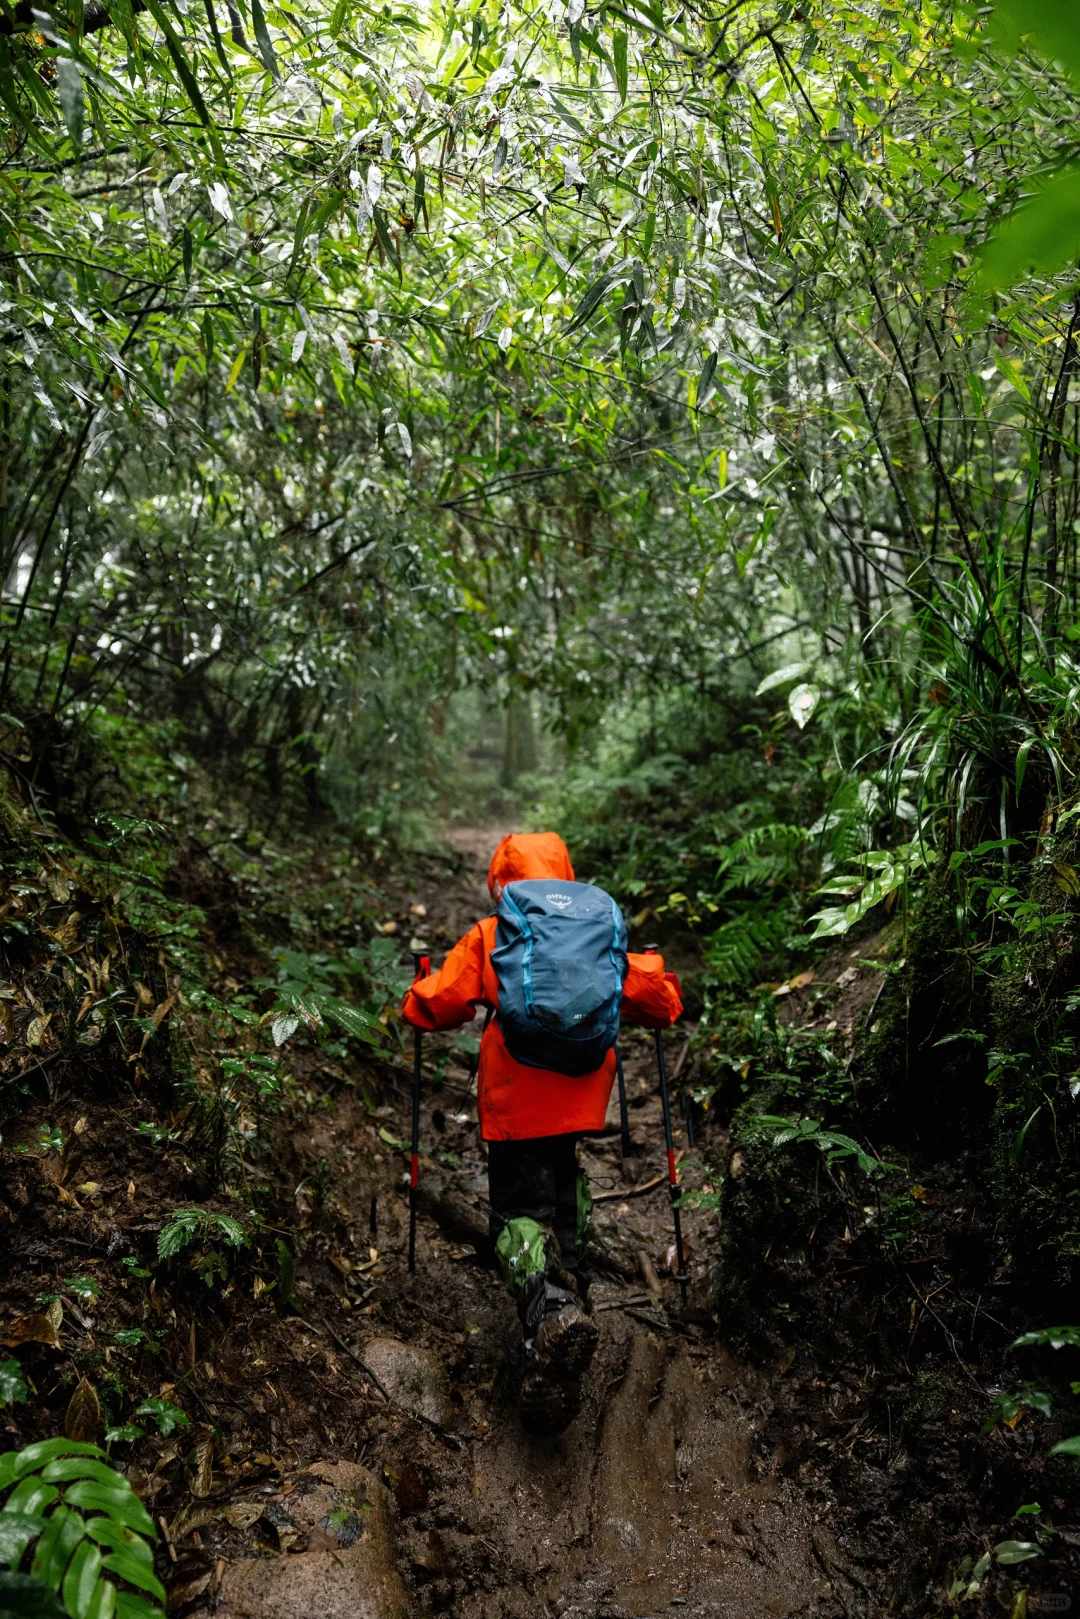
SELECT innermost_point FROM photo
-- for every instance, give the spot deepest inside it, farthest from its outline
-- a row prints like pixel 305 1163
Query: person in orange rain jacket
pixel 531 1119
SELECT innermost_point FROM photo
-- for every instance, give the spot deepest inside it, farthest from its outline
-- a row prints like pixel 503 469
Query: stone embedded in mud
pixel 343 1514
pixel 415 1378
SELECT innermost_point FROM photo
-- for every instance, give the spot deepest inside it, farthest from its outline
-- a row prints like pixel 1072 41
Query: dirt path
pixel 659 1499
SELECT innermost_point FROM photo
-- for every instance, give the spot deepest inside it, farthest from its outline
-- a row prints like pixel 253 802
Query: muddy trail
pixel 659 1498
pixel 352 1447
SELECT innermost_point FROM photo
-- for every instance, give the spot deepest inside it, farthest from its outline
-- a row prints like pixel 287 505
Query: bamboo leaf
pixel 263 40
pixel 187 78
pixel 618 56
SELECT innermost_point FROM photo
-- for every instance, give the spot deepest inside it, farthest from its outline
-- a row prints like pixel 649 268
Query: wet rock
pixel 350 1571
pixel 414 1378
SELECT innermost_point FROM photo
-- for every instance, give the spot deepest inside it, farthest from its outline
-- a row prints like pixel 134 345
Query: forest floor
pixel 359 1456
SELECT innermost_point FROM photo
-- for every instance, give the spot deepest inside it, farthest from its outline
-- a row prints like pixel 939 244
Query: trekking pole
pixel 681 1275
pixel 422 964
pixel 624 1117
pixel 688 1116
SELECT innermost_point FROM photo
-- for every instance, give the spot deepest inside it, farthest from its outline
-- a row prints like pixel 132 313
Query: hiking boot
pixel 556 1361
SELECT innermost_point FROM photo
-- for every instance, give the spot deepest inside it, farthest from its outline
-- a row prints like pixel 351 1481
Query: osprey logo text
pixel 561 900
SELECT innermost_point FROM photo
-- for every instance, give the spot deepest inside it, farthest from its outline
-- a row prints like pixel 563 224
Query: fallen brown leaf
pixel 83 1419
pixel 56 883
pixel 242 1514
pixel 37 1028
pixel 32 1329
pixel 202 1480
pixel 800 981
pixel 180 1595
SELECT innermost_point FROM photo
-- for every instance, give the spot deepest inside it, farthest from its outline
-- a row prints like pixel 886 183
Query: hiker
pixel 554 954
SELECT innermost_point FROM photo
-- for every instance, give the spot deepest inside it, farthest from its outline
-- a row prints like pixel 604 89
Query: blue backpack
pixel 560 959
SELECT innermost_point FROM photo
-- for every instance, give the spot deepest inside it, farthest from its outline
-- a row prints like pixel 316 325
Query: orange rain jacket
pixel 518 1103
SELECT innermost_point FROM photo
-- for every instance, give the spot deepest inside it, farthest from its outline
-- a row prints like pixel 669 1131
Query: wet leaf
pixel 12 1383
pixel 781 677
pixel 242 1514
pixel 57 885
pixel 802 703
pixel 32 1329
pixel 37 1028
pixel 202 1480
pixel 1016 1551
pixel 180 1595
pixel 82 1420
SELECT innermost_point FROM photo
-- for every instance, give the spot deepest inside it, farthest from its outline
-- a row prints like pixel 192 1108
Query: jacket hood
pixel 524 855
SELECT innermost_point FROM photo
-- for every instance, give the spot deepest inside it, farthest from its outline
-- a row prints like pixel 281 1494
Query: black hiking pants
pixel 537 1180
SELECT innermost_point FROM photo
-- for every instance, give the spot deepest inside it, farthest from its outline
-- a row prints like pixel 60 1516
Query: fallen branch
pixel 630 1191
pixel 634 1191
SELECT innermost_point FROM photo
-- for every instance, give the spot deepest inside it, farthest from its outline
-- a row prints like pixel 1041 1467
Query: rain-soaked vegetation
pixel 660 423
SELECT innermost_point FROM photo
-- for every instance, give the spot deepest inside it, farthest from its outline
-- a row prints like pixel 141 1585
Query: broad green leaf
pixel 782 677
pixel 81 1579
pixel 802 702
pixel 1041 236
pixel 116 1536
pixel 1048 26
pixel 284 1026
pixel 71 1467
pixel 53 1551
pixel 133 1607
pixel 17 1530
pixel 31 1496
pixel 124 1506
pixel 12 1383
pixel 36 1455
pixel 1054 1337
pixel 350 1019
pixel 167 1416
pixel 1008 1552
pixel 102 1604
pixel 136 1572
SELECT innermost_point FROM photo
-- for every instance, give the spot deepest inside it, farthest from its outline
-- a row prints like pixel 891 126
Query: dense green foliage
pixel 702 388
pixel 355 357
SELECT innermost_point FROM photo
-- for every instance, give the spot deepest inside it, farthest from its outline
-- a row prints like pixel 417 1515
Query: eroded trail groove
pixel 658 1499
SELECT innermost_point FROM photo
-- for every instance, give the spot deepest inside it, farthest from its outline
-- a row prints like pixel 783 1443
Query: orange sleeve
pixel 447 998
pixel 651 996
